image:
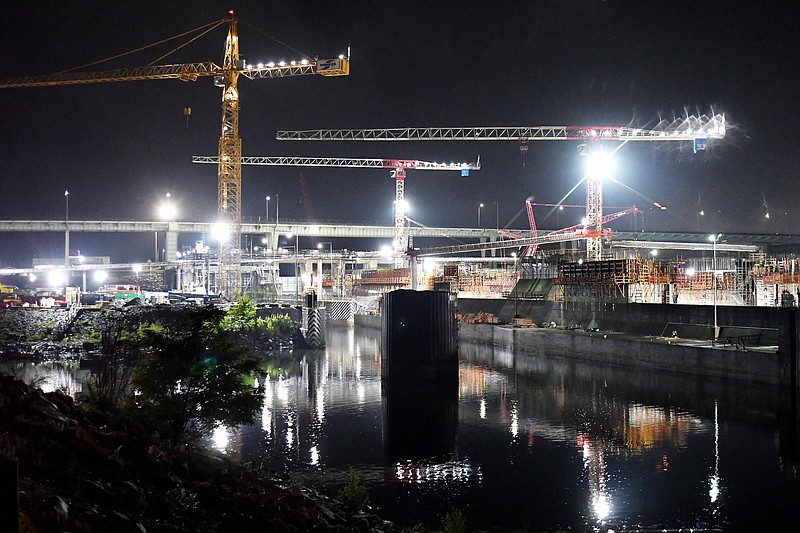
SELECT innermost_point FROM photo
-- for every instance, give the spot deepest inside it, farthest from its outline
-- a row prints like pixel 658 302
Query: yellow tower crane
pixel 229 168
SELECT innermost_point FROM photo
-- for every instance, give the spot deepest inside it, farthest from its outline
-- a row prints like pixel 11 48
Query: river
pixel 523 443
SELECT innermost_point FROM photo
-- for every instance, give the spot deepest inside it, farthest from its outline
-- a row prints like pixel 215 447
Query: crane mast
pixel 229 168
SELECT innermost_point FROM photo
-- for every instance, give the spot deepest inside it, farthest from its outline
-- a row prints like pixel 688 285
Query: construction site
pixel 578 263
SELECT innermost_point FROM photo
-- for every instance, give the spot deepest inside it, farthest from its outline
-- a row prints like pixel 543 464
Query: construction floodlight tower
pixel 599 166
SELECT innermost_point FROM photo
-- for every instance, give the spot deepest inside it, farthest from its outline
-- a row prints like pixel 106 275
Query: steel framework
pixel 398 166
pixel 679 129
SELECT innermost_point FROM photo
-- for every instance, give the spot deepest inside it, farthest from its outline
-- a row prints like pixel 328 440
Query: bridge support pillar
pixel 414 271
pixel 171 242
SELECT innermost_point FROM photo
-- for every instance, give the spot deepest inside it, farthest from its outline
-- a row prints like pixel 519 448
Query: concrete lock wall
pixel 638 318
pixel 620 349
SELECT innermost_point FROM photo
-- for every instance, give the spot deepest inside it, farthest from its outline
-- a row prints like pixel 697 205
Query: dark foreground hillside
pixel 81 471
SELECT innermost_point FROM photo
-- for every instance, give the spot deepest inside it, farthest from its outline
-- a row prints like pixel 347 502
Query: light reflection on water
pixel 527 443
pixel 65 376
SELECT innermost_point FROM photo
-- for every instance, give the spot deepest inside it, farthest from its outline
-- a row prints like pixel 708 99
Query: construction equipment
pixel 680 129
pixel 229 172
pixel 579 230
pixel 398 172
pixel 696 129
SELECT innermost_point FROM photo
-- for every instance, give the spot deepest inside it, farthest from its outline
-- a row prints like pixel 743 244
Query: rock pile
pixel 80 470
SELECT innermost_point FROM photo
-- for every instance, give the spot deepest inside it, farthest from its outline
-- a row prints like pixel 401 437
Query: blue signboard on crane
pixel 699 144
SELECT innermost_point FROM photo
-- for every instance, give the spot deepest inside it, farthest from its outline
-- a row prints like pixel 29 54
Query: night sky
pixel 120 147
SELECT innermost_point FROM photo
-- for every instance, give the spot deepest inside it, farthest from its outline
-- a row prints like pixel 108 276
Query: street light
pixel 516 280
pixel 268 199
pixel 480 206
pixel 66 230
pixel 714 239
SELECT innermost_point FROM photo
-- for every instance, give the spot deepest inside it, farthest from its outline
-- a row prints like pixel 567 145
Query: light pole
pixel 714 239
pixel 66 232
pixel 496 216
pixel 268 199
pixel 277 205
pixel 480 206
pixel 516 279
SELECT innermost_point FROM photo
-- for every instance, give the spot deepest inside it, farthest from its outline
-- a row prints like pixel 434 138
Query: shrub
pixel 454 522
pixel 190 380
pixel 354 495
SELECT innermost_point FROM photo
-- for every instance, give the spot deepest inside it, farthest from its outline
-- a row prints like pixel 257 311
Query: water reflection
pixel 528 443
pixel 66 376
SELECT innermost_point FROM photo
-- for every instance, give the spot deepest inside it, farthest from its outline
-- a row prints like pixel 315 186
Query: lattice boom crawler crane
pixel 697 130
pixel 229 170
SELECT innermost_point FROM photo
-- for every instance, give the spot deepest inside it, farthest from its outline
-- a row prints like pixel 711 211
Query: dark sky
pixel 120 147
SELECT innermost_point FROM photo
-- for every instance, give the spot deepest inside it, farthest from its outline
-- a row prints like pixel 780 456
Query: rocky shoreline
pixel 87 471
pixel 83 471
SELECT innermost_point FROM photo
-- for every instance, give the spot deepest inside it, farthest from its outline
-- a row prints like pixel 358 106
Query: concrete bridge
pixel 272 231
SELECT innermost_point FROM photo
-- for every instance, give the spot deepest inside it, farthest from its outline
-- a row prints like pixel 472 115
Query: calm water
pixel 527 444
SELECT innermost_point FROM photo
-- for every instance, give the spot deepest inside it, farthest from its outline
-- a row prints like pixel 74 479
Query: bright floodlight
pixel 690 271
pixel 387 251
pixel 137 268
pixel 220 232
pixel 56 278
pixel 32 276
pixel 403 206
pixel 100 276
pixel 167 211
pixel 600 164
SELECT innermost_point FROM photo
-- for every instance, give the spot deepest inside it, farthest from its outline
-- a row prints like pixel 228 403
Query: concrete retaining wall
pixel 618 349
pixel 367 321
pixel 637 318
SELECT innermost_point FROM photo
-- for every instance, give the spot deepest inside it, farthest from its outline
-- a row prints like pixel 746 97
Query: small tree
pixel 190 380
pixel 240 317
pixel 354 495
pixel 110 377
pixel 454 522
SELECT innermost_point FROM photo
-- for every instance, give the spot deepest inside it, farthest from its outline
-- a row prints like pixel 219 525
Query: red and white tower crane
pixel 398 169
pixel 697 130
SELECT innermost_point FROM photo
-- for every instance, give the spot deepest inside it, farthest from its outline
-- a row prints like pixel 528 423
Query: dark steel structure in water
pixel 419 375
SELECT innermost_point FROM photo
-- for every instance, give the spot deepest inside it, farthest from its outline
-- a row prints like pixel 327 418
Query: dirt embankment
pixel 83 471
